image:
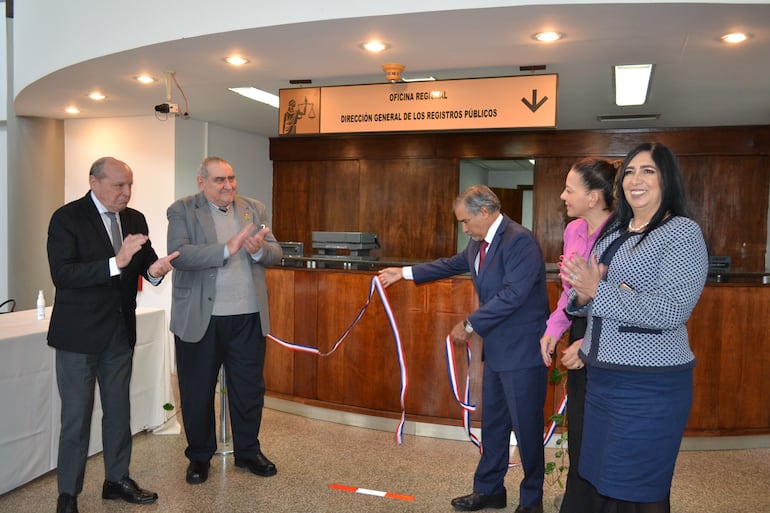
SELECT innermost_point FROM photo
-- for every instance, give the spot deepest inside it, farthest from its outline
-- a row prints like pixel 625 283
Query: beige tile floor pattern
pixel 312 454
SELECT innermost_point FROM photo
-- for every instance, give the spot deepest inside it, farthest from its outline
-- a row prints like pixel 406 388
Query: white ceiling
pixel 697 81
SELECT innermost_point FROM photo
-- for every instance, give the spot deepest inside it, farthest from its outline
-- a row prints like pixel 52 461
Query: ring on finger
pixel 573 276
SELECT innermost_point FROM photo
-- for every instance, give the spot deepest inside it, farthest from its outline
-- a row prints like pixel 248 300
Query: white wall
pixel 3 161
pixel 4 218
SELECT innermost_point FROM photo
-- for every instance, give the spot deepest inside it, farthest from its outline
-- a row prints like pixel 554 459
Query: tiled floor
pixel 313 454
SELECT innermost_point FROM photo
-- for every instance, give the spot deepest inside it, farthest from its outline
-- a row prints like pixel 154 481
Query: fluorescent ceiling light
pixel 632 83
pixel 629 117
pixel 255 94
pixel 418 79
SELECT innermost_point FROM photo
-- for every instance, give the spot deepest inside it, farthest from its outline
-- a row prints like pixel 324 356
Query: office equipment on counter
pixel 358 244
pixel 292 249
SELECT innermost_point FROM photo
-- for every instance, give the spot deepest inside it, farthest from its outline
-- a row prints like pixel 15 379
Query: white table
pixel 29 398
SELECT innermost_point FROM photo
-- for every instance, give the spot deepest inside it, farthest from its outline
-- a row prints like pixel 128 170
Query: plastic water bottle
pixel 40 305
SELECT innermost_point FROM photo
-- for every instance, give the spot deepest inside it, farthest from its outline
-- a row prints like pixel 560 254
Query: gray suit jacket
pixel 191 231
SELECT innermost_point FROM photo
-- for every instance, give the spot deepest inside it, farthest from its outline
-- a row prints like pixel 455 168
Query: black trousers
pixel 578 489
pixel 76 376
pixel 237 342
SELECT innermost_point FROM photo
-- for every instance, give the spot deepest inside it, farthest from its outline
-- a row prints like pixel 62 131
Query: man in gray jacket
pixel 220 315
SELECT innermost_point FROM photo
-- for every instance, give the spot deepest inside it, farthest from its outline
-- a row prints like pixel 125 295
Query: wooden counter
pixel 729 332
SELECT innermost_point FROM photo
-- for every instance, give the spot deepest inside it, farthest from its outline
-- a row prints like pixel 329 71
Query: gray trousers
pixel 76 375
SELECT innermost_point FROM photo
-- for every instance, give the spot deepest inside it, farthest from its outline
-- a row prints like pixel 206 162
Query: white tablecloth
pixel 29 399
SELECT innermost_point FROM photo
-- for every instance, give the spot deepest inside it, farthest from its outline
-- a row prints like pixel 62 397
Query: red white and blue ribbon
pixel 552 426
pixel 375 284
pixel 453 383
pixel 465 403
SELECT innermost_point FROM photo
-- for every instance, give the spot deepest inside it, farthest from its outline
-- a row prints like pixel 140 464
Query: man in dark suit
pixel 93 326
pixel 507 269
pixel 220 314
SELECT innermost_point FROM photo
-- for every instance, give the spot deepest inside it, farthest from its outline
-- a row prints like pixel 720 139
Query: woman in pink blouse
pixel 589 198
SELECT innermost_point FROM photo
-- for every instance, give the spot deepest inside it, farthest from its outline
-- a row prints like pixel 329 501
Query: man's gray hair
pixel 477 196
pixel 203 170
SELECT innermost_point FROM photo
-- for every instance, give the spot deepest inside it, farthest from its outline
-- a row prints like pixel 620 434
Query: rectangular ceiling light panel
pixel 257 95
pixel 632 84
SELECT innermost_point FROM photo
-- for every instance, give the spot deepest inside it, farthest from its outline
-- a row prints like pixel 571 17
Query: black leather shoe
pixel 533 509
pixel 197 472
pixel 477 501
pixel 67 504
pixel 129 491
pixel 259 465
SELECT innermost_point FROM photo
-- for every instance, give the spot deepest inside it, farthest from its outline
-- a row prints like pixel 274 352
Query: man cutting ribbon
pixel 513 308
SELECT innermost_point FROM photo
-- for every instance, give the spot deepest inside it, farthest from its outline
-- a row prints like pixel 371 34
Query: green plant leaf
pixel 557 418
pixel 556 376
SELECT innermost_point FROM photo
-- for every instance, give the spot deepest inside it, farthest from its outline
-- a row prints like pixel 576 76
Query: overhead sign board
pixel 480 103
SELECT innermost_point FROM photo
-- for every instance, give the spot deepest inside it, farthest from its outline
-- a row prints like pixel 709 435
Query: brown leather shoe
pixel 67 503
pixel 128 490
pixel 476 501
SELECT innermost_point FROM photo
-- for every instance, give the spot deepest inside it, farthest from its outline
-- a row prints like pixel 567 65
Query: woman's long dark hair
pixel 673 199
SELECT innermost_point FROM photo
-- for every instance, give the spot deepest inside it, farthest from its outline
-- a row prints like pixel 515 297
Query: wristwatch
pixel 468 326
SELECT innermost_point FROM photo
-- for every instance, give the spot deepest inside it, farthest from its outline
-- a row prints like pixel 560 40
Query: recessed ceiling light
pixel 632 83
pixel 735 37
pixel 72 110
pixel 236 60
pixel 97 96
pixel 548 37
pixel 374 46
pixel 255 94
pixel 145 79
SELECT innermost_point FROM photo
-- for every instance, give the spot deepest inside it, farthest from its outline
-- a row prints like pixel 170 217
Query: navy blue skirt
pixel 632 431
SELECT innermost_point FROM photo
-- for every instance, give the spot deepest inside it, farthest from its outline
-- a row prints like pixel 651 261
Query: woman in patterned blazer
pixel 638 289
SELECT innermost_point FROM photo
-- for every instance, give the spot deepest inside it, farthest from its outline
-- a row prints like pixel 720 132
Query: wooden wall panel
pixel 382 182
pixel 291 201
pixel 305 321
pixel 314 196
pixel 279 362
pixel 729 199
pixel 729 336
pixel 549 216
pixel 364 371
pixel 408 204
pixel 741 140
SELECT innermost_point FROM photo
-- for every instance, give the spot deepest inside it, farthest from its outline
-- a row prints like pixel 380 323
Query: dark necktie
pixel 482 252
pixel 117 240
